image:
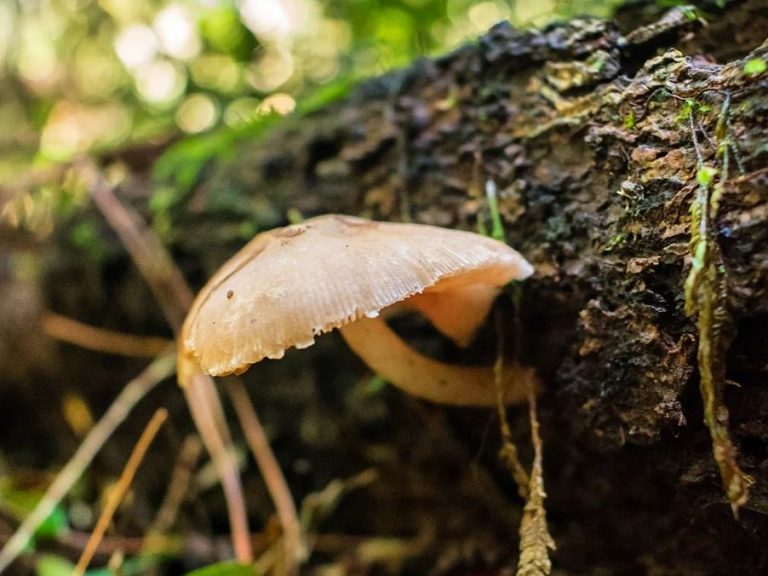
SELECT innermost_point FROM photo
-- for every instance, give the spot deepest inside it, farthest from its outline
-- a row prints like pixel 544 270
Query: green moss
pixel 706 298
pixel 692 107
pixel 705 175
pixel 630 120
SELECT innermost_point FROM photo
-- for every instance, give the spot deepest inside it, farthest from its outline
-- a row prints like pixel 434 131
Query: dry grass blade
pixel 147 252
pixel 102 340
pixel 177 487
pixel 535 540
pixel 134 391
pixel 120 489
pixel 508 454
pixel 294 549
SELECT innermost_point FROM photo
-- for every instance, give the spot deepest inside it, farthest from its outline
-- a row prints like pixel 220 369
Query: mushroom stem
pixel 394 360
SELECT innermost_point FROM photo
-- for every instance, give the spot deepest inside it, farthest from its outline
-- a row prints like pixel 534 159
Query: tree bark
pixel 595 138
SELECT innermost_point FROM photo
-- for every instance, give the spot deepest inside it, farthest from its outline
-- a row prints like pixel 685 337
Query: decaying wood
pixel 588 133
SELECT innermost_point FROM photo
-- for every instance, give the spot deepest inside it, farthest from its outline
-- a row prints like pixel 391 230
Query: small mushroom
pixel 289 285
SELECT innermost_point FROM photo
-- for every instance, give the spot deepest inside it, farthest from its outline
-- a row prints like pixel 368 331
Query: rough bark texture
pixel 585 130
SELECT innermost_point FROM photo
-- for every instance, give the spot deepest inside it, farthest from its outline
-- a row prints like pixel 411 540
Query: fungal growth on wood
pixel 289 285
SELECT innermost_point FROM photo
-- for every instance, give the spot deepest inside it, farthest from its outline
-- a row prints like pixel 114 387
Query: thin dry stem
pixel 118 492
pixel 293 542
pixel 100 339
pixel 147 252
pixel 134 391
pixel 508 454
pixel 178 486
pixel 535 540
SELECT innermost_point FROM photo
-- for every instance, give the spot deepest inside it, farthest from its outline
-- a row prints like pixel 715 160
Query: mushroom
pixel 291 284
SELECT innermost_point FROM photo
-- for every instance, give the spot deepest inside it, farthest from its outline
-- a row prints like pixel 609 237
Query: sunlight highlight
pixel 177 30
pixel 136 46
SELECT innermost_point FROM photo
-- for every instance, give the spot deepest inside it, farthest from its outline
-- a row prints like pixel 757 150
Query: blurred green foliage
pixel 18 503
pixel 224 569
pixel 53 565
pixel 82 75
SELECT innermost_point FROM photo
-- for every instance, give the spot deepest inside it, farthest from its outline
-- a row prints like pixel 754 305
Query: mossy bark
pixel 587 131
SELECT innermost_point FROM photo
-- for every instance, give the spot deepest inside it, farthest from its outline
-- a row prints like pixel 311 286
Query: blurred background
pixel 83 75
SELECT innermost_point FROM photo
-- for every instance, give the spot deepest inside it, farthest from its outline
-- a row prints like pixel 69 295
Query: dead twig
pixel 118 491
pixel 102 340
pixel 134 391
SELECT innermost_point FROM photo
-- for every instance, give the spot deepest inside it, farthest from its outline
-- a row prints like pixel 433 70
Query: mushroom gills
pixel 457 313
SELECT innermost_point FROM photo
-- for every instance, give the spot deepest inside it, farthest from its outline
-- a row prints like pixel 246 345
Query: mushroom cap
pixel 291 284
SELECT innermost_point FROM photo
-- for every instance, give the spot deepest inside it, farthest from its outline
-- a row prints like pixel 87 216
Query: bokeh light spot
pixel 73 128
pixel 269 19
pixel 96 70
pixel 271 71
pixel 217 72
pixel 37 62
pixel 160 82
pixel 483 15
pixel 136 46
pixel 277 103
pixel 177 31
pixel 197 113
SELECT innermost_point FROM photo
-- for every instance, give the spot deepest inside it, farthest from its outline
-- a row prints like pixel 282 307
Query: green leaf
pixel 224 569
pixel 755 66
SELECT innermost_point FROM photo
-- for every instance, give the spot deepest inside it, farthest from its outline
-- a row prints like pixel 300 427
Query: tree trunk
pixel 598 141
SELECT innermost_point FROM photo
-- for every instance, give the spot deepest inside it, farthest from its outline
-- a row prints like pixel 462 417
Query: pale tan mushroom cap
pixel 291 284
